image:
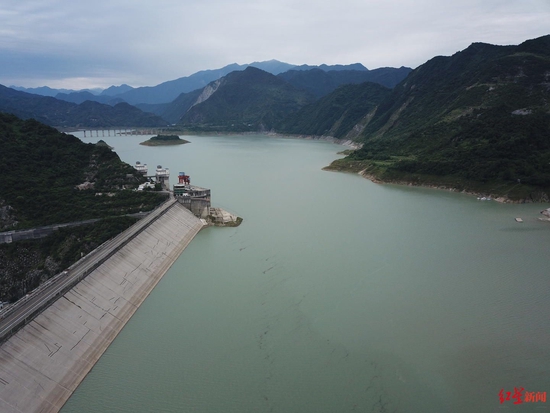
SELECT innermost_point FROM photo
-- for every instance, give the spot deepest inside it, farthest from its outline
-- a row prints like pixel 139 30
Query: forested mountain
pixel 479 118
pixel 55 112
pixel 354 73
pixel 168 91
pixel 321 82
pixel 341 114
pixel 248 100
pixel 315 82
pixel 42 171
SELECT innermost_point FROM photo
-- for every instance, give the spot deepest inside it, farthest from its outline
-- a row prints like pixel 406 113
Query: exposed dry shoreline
pixel 354 145
pixel 374 179
pixel 344 142
pixel 544 198
pixel 498 198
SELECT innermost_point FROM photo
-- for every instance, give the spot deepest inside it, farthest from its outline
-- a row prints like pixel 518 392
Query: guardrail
pixel 113 245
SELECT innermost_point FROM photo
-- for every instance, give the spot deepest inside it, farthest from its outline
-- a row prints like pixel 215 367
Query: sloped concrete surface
pixel 43 363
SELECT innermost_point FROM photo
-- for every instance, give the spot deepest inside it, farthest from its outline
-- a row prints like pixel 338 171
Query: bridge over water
pixel 90 133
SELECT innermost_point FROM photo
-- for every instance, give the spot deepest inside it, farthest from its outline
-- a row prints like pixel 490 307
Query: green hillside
pixel 41 169
pixel 477 120
pixel 249 100
pixel 339 114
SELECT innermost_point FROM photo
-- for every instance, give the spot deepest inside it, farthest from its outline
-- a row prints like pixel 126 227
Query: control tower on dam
pixel 45 361
pixel 195 198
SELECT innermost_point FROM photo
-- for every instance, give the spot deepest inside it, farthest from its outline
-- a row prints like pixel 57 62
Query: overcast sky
pixel 84 44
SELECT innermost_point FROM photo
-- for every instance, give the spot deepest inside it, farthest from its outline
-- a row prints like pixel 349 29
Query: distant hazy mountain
pixel 81 97
pixel 168 91
pixel 57 112
pixel 329 68
pixel 173 111
pixel 322 82
pixel 116 90
pixel 249 100
pixel 271 66
pixel 47 91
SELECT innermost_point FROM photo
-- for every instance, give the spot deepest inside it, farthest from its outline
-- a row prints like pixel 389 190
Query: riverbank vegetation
pixel 477 121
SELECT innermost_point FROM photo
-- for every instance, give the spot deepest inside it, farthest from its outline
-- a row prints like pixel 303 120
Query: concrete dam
pixel 45 361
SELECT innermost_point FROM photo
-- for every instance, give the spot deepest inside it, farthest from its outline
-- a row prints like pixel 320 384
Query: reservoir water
pixel 334 295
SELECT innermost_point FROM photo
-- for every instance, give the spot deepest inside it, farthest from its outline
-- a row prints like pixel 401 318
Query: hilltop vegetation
pixel 250 100
pixel 42 168
pixel 42 171
pixel 340 114
pixel 478 120
pixel 160 140
pixel 264 96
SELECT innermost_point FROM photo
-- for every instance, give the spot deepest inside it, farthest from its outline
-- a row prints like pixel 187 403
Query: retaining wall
pixel 44 362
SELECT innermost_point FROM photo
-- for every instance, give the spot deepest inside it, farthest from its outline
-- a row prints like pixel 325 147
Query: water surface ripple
pixel 334 295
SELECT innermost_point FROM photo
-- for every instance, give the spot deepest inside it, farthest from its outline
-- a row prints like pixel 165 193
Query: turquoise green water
pixel 334 295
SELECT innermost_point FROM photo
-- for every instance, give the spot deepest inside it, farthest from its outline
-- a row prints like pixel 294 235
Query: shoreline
pixel 544 198
pixel 374 179
pixel 344 142
pixel 354 145
pixel 498 198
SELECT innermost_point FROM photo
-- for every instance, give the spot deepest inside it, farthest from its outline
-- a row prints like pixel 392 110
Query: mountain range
pixel 479 119
pixel 248 100
pixel 168 91
pixel 55 112
pixel 310 81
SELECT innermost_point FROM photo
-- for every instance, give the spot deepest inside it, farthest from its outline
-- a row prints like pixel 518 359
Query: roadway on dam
pixel 43 363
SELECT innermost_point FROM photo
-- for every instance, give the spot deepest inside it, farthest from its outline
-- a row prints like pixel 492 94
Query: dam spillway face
pixel 44 362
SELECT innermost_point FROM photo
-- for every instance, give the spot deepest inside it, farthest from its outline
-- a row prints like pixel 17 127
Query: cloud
pixel 145 43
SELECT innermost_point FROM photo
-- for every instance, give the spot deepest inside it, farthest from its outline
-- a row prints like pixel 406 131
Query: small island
pixel 164 140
